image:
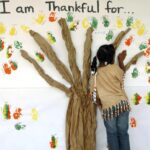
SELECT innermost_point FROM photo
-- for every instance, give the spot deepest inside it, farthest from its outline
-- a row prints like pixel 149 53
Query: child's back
pixel 108 81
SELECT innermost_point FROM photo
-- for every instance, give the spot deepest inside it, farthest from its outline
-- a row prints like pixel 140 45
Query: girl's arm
pixel 121 58
pixel 133 60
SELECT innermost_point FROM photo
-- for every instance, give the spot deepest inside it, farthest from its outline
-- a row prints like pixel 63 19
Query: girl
pixel 108 81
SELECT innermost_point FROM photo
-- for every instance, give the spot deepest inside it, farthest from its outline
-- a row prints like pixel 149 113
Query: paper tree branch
pixel 87 59
pixel 47 78
pixel 71 51
pixel 119 38
pixel 81 113
pixel 49 52
pixel 133 60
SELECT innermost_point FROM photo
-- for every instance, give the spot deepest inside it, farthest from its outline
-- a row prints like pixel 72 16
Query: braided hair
pixel 105 55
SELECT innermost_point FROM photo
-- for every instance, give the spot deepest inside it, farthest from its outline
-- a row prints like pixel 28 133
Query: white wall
pixel 25 89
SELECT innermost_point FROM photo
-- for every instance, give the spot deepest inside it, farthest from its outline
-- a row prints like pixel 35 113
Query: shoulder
pixel 115 66
pixel 110 68
pixel 115 69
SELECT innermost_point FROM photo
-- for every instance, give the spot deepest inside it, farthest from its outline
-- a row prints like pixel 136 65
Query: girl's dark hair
pixel 94 65
pixel 104 54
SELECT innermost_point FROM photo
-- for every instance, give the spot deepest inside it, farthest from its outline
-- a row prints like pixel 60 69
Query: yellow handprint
pixel 25 28
pixel 40 18
pixel 119 22
pixel 2 28
pixel 12 31
pixel 34 114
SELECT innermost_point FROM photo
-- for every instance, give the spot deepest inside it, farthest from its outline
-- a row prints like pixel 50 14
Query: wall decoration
pixel 44 28
pixel 54 142
pixel 13 65
pixel 147 67
pixel 73 25
pixel 2 28
pixel 9 51
pixel 136 98
pixel 147 98
pixel 75 81
pixel 129 21
pixel 18 45
pixel 106 21
pixel 143 46
pixel 68 77
pixel 40 19
pixel 71 22
pixel 85 23
pixel 70 17
pixel 135 73
pixel 109 35
pixel 7 68
pixel 34 114
pixel 141 31
pixel 133 122
pixel 148 79
pixel 19 126
pixel 25 28
pixel 52 16
pixel 147 52
pixel 136 24
pixel 9 112
pixel 6 111
pixel 13 31
pixel 39 56
pixel 129 41
pixel 51 38
pixel 17 114
pixel 148 41
pixel 1 44
pixel 119 22
pixel 94 23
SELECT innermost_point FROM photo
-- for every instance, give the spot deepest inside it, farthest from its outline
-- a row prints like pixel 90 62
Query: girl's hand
pixel 122 56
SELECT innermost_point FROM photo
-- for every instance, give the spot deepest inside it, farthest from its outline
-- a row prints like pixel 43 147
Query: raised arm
pixel 133 60
pixel 121 58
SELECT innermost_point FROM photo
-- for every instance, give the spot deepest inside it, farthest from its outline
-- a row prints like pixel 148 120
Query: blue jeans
pixel 117 132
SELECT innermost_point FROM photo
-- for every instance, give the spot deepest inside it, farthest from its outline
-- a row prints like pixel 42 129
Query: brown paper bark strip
pixel 47 78
pixel 49 52
pixel 87 59
pixel 71 51
pixel 119 38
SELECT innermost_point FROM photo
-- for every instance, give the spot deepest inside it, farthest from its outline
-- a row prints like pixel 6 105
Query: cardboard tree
pixel 81 112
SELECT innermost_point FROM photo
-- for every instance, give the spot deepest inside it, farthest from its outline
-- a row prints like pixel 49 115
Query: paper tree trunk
pixel 81 112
